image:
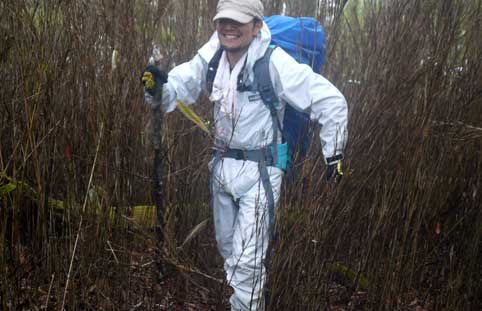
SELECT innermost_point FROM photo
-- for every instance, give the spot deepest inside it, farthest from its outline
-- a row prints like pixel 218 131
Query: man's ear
pixel 257 26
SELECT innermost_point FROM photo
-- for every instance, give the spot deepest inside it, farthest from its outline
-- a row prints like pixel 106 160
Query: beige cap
pixel 242 11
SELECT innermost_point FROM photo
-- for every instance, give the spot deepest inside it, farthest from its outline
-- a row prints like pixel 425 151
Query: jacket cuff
pixel 168 97
pixel 334 159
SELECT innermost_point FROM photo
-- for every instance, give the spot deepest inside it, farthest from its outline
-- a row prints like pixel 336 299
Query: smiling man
pixel 247 166
pixel 236 29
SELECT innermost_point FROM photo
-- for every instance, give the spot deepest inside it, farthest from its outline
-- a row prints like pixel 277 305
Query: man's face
pixel 234 36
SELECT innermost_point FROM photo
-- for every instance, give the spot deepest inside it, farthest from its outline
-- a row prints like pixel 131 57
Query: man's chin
pixel 232 49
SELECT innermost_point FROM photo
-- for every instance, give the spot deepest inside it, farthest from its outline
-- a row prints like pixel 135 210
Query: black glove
pixel 153 78
pixel 334 172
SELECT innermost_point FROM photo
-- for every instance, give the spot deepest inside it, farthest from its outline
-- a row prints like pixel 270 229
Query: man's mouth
pixel 231 36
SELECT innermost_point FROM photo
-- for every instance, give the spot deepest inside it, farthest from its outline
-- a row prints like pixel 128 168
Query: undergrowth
pixel 403 228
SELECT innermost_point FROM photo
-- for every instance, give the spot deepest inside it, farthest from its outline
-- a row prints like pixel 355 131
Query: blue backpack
pixel 304 39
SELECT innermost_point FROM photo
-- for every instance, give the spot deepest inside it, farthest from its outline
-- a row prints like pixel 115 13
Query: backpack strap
pixel 268 94
pixel 212 69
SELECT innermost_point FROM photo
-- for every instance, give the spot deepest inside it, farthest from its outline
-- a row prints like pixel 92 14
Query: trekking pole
pixel 158 184
pixel 158 189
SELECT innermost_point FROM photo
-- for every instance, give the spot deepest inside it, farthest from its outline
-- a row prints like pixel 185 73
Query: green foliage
pixel 357 12
pixel 350 275
pixel 191 115
pixel 6 189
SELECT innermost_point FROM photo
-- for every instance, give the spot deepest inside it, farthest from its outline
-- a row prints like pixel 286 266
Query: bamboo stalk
pixel 82 216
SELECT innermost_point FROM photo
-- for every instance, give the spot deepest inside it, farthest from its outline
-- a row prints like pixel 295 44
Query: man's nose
pixel 228 23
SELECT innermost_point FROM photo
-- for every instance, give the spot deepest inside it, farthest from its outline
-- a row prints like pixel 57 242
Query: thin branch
pixel 82 216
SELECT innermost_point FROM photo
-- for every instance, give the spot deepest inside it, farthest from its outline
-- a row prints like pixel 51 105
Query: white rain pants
pixel 240 211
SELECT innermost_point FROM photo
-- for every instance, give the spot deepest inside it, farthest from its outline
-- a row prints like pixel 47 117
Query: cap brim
pixel 234 15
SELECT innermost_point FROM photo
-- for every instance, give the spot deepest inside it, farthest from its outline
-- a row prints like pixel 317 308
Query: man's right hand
pixel 153 78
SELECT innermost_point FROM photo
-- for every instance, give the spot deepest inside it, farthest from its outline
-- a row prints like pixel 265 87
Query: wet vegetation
pixel 402 231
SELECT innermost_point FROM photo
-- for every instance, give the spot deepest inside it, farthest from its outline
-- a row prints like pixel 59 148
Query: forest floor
pixel 182 287
pixel 188 289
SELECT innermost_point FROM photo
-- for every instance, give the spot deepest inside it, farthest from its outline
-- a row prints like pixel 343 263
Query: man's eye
pixel 225 22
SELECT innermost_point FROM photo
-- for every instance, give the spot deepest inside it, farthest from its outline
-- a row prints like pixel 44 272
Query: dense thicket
pixel 403 226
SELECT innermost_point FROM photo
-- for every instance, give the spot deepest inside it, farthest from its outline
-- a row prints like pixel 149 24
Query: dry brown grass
pixel 405 222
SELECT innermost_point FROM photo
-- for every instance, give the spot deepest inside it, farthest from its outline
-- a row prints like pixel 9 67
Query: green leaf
pixel 145 215
pixel 191 115
pixel 6 189
pixel 58 205
pixel 350 275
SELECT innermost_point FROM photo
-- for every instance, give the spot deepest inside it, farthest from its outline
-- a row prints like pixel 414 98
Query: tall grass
pixel 60 86
pixel 404 225
pixel 407 216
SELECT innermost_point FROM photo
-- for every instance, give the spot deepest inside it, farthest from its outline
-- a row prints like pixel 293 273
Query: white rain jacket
pixel 296 84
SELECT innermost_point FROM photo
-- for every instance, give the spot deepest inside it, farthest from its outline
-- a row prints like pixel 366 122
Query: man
pixel 246 182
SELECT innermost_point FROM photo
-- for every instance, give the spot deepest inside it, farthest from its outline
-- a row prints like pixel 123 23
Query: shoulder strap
pixel 268 94
pixel 265 85
pixel 263 79
pixel 212 69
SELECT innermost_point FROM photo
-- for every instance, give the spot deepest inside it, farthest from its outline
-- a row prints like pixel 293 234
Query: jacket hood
pixel 256 49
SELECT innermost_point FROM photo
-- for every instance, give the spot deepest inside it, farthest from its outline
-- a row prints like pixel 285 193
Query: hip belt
pixel 264 157
pixel 258 155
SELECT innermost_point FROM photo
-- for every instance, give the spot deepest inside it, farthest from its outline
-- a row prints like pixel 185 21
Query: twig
pixel 33 149
pixel 190 270
pixel 112 250
pixel 48 294
pixel 457 124
pixel 82 217
pixel 147 264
